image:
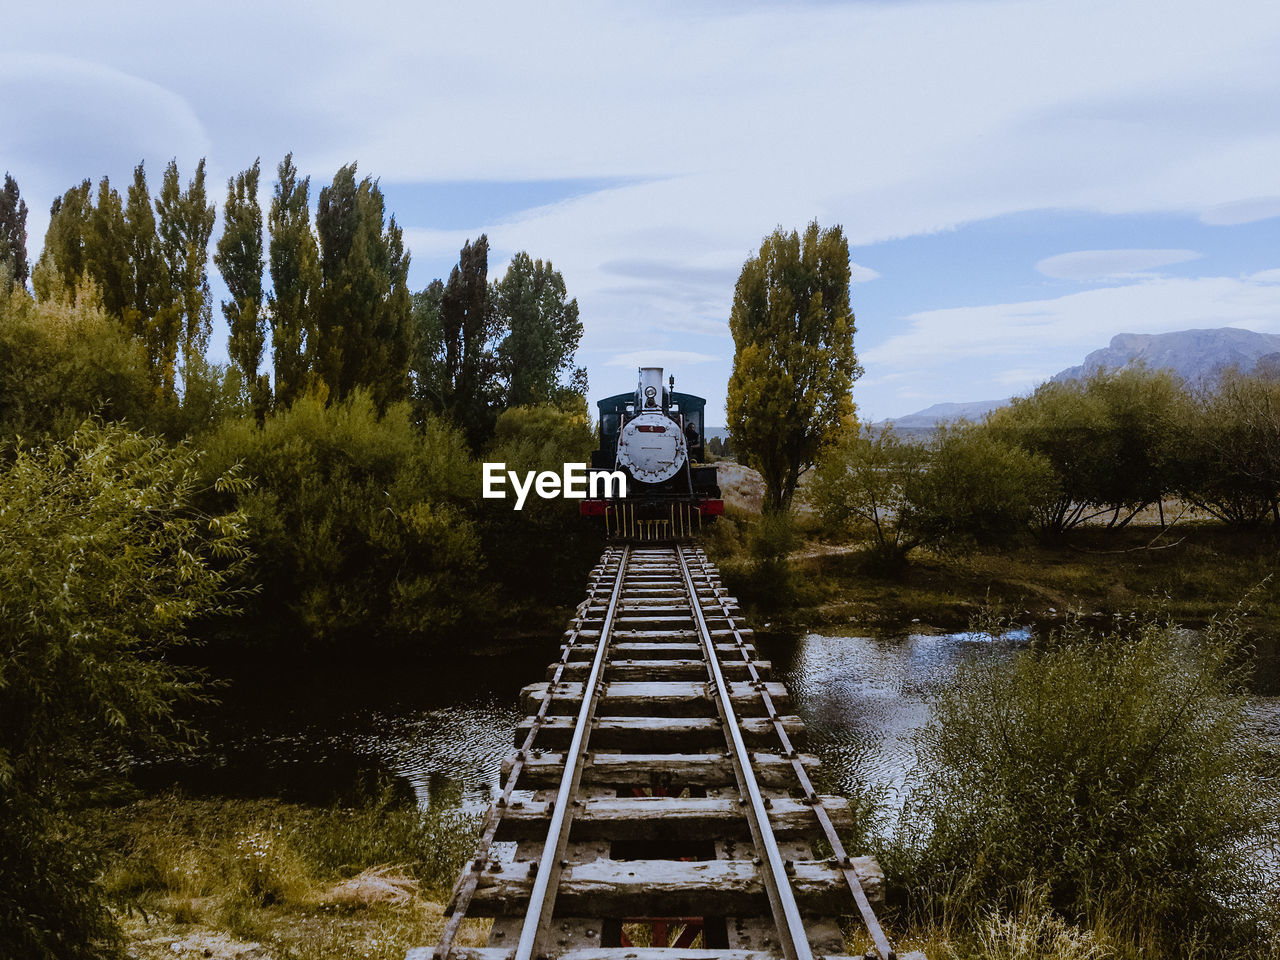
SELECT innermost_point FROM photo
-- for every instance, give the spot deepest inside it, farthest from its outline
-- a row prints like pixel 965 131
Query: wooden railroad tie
pixel 658 802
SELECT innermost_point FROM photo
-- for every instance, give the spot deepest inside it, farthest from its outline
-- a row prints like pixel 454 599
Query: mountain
pixel 1195 355
pixel 930 417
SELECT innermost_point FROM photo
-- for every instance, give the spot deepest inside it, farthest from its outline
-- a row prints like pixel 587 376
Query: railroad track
pixel 659 802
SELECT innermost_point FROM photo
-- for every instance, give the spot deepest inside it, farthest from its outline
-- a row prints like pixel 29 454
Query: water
pixel 441 733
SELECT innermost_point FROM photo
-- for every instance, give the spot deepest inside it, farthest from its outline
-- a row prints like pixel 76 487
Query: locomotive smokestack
pixel 649 393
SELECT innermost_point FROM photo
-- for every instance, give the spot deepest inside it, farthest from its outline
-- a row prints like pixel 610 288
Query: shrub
pixel 359 521
pixel 1117 770
pixel 977 490
pixel 104 566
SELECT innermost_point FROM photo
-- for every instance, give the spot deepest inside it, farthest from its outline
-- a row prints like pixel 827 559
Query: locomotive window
pixel 609 424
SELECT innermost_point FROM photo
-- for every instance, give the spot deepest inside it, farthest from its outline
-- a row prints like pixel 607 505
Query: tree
pixel 239 258
pixel 295 280
pixel 13 233
pixel 150 308
pixel 793 364
pixel 866 477
pixel 428 367
pixel 362 335
pixel 468 329
pixel 186 224
pixel 106 251
pixel 104 567
pixel 542 336
pixel 62 261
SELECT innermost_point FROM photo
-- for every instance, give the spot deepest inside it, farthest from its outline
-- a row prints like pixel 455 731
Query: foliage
pixel 148 306
pixel 544 547
pixel 1117 771
pixel 977 490
pixel 866 477
pixel 239 258
pixel 468 329
pixel 62 262
pixel 1229 462
pixel 542 332
pixel 362 336
pixel 359 522
pixel 185 227
pixel 13 235
pixel 104 567
pixel 1109 440
pixel 793 363
pixel 295 280
pixel 63 360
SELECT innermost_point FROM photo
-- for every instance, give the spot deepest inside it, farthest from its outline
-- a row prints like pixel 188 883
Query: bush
pixel 360 523
pixel 104 566
pixel 546 548
pixel 1118 771
pixel 62 362
pixel 977 490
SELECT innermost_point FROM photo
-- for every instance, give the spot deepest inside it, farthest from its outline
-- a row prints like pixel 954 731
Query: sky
pixel 1018 181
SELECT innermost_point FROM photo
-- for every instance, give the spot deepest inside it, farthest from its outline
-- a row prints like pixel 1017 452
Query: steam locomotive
pixel 655 437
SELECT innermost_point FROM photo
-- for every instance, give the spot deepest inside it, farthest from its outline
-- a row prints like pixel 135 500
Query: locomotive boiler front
pixel 651 448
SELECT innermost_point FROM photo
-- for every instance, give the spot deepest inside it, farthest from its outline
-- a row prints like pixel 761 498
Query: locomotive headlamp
pixel 650 393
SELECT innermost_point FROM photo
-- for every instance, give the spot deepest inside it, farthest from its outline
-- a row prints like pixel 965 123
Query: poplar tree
pixel 150 309
pixel 363 323
pixel 13 232
pixel 239 258
pixel 106 250
pixel 468 329
pixel 186 225
pixel 793 363
pixel 295 280
pixel 62 260
pixel 542 335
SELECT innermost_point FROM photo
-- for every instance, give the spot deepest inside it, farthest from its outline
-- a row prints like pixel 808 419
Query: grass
pixel 306 883
pixel 1200 569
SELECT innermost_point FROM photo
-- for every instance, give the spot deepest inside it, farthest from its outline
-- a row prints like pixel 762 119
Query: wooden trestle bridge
pixel 659 803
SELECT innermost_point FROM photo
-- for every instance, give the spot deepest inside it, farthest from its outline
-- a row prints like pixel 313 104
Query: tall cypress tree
pixel 239 258
pixel 295 280
pixel 13 232
pixel 186 224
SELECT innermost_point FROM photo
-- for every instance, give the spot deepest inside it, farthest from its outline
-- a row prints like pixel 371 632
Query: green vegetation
pixel 793 361
pixel 1116 776
pixel 105 566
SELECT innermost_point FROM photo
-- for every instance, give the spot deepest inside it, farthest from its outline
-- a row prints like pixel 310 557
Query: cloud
pixel 861 274
pixel 1102 264
pixel 667 359
pixel 1241 211
pixel 1080 322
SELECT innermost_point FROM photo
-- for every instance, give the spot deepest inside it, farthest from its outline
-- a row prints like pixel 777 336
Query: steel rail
pixel 782 899
pixel 840 858
pixel 466 888
pixel 542 899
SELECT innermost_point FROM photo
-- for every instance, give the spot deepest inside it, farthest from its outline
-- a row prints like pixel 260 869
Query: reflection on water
pixel 862 698
pixel 443 732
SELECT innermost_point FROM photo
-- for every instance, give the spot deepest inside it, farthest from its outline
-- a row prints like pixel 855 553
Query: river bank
pixel 1190 573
